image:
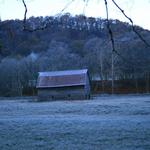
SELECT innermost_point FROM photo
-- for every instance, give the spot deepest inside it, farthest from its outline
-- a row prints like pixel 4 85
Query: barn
pixel 63 85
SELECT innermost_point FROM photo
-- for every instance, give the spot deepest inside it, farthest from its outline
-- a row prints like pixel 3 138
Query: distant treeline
pixel 69 42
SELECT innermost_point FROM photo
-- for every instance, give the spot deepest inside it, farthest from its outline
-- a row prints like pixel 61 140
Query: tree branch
pixel 131 21
pixel 108 27
pixel 25 15
pixel 112 37
pixel 113 46
pixel 86 4
pixel 66 6
pixel 25 28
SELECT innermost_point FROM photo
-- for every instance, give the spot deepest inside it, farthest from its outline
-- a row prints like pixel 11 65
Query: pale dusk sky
pixel 138 10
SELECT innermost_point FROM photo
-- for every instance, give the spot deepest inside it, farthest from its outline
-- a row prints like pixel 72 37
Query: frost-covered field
pixel 103 123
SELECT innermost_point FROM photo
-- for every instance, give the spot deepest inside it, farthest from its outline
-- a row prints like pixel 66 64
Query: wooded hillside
pixel 69 42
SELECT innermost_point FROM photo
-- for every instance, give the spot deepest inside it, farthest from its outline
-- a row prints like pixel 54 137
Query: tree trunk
pixel 136 84
pixel 101 74
pixel 112 73
pixel 147 82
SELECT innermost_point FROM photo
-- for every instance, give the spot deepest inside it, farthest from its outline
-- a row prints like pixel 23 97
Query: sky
pixel 138 10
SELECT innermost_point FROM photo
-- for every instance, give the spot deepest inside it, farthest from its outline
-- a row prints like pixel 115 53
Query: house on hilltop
pixel 63 85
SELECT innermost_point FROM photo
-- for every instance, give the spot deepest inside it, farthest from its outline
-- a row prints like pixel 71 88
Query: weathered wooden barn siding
pixel 62 93
pixel 87 87
pixel 67 85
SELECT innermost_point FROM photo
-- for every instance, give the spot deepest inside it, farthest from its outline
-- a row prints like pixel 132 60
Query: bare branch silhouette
pixel 86 4
pixel 109 28
pixel 113 45
pixel 25 15
pixel 66 6
pixel 25 28
pixel 112 40
pixel 131 21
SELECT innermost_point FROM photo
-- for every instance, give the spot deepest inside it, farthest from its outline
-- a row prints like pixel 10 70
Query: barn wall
pixel 61 93
pixel 87 86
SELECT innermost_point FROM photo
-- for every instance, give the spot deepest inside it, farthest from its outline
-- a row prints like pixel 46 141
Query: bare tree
pixel 114 51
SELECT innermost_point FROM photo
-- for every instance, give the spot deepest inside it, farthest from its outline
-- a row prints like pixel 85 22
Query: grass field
pixel 103 123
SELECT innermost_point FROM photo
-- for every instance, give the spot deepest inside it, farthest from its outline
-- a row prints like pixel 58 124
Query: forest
pixel 71 42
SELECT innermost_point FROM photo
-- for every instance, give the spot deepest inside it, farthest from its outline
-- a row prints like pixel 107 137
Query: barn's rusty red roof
pixel 62 78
